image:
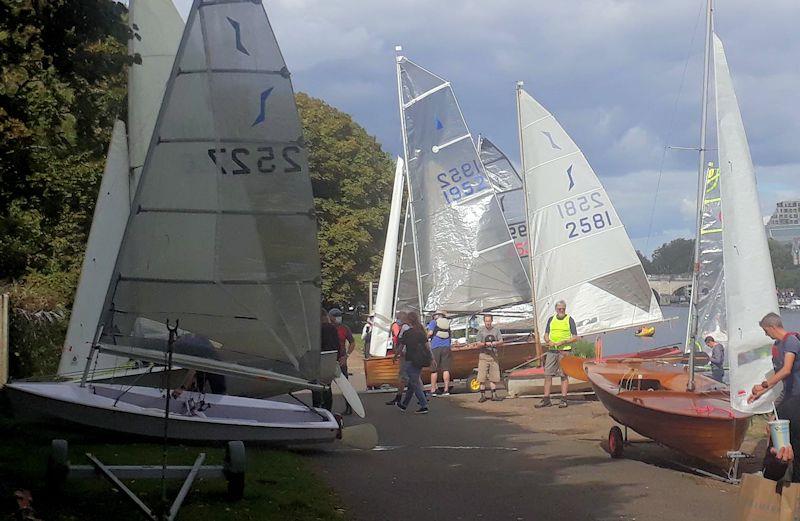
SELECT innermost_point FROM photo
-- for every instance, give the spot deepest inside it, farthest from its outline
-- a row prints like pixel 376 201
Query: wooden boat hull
pixel 384 371
pixel 530 381
pixel 140 411
pixel 647 398
pixel 573 365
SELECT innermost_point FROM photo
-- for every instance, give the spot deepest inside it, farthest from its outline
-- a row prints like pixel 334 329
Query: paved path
pixel 462 463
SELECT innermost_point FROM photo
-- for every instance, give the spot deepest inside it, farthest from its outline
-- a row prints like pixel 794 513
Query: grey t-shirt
pixel 489 335
pixel 790 344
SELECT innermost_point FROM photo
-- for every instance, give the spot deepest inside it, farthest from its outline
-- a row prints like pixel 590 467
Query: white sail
pixel 407 295
pixel 382 321
pixel 223 237
pixel 156 27
pixel 749 280
pixel 581 252
pixel 466 258
pixel 110 215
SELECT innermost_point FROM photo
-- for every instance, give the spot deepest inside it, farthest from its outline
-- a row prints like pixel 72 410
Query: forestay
pixel 581 252
pixel 223 237
pixel 466 258
pixel 749 280
pixel 507 184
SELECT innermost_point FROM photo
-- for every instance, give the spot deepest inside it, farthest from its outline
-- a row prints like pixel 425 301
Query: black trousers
pixel 788 409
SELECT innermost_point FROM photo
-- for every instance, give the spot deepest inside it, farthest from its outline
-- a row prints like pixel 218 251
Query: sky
pixel 622 77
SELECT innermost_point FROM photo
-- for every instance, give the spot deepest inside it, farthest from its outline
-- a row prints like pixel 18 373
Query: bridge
pixel 670 287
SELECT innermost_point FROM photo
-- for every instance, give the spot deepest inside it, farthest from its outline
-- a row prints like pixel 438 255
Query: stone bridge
pixel 670 287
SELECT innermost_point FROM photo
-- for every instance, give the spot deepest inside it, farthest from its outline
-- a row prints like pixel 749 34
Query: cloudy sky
pixel 622 77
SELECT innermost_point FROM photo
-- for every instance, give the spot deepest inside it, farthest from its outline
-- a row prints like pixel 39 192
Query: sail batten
pixel 239 263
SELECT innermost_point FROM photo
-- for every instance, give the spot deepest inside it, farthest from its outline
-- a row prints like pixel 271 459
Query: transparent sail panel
pixel 407 293
pixel 507 184
pixel 156 29
pixel 749 280
pixel 582 253
pixel 467 259
pixel 223 238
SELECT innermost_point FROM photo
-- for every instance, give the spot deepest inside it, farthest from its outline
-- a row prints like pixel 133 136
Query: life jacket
pixel 560 331
pixel 442 328
pixel 396 327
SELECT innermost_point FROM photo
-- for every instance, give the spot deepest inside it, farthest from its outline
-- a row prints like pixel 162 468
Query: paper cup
pixel 779 432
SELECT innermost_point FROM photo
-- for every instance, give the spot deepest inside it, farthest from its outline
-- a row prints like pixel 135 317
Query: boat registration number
pixel 461 181
pixel 584 214
pixel 259 160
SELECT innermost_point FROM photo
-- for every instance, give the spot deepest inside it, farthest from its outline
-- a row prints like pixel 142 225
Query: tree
pixel 352 181
pixel 781 254
pixel 673 258
pixel 646 263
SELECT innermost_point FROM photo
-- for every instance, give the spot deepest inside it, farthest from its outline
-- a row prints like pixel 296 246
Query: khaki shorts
pixel 488 368
pixel 552 363
pixel 441 359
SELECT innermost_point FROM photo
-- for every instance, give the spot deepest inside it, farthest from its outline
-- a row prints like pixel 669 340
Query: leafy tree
pixel 646 263
pixel 352 182
pixel 673 258
pixel 781 254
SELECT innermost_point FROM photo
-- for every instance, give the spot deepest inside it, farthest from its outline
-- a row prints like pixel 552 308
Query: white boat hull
pixel 140 411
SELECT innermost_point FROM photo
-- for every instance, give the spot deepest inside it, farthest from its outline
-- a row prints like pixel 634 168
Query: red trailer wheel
pixel 615 442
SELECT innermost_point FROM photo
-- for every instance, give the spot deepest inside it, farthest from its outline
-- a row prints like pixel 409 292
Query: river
pixel 670 333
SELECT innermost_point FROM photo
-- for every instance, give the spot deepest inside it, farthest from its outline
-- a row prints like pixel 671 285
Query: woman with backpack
pixel 417 355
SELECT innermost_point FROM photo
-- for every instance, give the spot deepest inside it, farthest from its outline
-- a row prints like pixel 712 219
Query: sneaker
pixel 562 404
pixel 421 410
pixel 482 398
pixel 544 403
pixel 401 406
pixel 496 398
pixel 446 393
pixel 393 401
pixel 432 394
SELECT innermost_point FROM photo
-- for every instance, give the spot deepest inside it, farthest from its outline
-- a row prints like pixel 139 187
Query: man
pixel 786 362
pixel 559 334
pixel 346 346
pixel 439 335
pixel 199 381
pixel 399 354
pixel 329 341
pixel 717 358
pixel 489 339
pixel 366 335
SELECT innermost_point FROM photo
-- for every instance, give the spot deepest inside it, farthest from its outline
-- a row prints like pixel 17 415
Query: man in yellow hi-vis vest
pixel 559 334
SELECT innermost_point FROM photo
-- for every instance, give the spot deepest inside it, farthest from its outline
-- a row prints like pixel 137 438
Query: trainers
pixel 393 401
pixel 482 398
pixel 446 393
pixel 401 406
pixel 496 398
pixel 421 410
pixel 562 404
pixel 544 403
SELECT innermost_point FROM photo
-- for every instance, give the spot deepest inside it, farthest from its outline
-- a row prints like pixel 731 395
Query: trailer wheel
pixel 234 467
pixel 473 385
pixel 57 466
pixel 615 443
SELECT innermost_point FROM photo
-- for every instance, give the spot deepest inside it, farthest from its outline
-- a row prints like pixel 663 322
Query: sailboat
pixel 457 253
pixel 221 244
pixel 673 405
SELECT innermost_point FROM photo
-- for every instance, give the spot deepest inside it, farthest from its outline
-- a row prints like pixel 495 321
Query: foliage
pixel 781 254
pixel 279 485
pixel 352 182
pixel 674 257
pixel 646 263
pixel 583 349
pixel 62 83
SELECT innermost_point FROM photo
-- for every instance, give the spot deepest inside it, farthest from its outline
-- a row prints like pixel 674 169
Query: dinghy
pixel 222 244
pixel 676 399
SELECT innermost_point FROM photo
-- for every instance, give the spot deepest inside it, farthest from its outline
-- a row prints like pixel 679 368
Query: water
pixel 670 333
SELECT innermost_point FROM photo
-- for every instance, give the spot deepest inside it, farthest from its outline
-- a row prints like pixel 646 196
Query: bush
pixel 583 349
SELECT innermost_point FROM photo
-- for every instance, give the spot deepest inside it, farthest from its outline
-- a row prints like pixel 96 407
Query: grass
pixel 279 484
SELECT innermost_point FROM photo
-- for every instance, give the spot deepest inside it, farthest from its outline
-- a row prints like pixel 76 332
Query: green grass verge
pixel 279 484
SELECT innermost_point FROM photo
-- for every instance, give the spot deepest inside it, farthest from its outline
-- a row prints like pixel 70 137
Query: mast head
pixel 398 53
pixel 520 84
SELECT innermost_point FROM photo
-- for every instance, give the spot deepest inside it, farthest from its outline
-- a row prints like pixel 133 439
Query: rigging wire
pixel 670 127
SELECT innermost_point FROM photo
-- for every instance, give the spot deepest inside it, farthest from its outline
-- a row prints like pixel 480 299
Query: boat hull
pixel 140 411
pixel 573 365
pixel 384 371
pixel 700 424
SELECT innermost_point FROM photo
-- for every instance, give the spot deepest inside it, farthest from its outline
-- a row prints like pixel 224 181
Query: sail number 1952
pixel 584 214
pixel 260 160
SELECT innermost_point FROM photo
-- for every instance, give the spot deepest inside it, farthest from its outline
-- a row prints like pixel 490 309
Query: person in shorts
pixel 439 335
pixel 489 339
pixel 559 334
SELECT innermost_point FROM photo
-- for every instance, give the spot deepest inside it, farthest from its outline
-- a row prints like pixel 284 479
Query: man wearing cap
pixel 439 335
pixel 559 334
pixel 489 339
pixel 346 345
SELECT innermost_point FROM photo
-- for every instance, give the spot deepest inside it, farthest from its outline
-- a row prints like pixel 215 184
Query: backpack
pixel 419 354
pixel 442 328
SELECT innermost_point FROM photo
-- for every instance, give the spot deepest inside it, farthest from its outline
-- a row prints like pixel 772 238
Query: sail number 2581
pixel 584 214
pixel 260 160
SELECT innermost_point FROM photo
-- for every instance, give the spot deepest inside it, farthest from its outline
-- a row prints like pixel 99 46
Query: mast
pixel 536 339
pixel 398 57
pixel 691 330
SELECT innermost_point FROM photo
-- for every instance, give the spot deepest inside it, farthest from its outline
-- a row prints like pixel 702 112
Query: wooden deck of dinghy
pixel 573 365
pixel 650 397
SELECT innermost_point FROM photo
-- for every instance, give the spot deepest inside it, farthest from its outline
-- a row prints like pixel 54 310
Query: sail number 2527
pixel 256 160
pixel 584 214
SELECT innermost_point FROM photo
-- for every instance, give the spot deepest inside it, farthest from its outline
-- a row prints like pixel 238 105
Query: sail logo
pixel 263 113
pixel 552 141
pixel 439 125
pixel 569 176
pixel 238 30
